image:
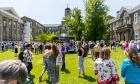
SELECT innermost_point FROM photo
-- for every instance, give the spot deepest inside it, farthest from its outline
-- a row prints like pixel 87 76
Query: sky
pixel 52 11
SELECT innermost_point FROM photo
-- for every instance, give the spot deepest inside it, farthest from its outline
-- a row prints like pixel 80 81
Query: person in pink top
pixel 126 45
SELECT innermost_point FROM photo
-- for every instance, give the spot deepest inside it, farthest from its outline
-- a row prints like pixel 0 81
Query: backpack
pixel 85 52
pixel 20 56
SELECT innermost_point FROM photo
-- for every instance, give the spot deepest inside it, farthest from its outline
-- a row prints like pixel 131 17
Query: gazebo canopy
pixel 63 36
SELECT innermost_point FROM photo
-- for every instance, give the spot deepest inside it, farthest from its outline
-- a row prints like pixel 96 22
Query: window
pixel 18 26
pixel 4 23
pixel 30 23
pixel 124 20
pixel 63 28
pixel 116 24
pixel 14 25
pixel 10 23
pixel 113 26
pixel 50 28
pixel 14 36
pixel 18 37
pixel 136 34
pixel 136 17
pixel 110 27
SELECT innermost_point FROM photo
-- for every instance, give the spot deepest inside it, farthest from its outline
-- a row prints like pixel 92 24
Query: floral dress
pixel 106 71
pixel 53 69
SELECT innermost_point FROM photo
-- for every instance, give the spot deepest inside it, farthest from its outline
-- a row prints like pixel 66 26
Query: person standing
pixel 47 48
pixel 126 45
pixel 80 59
pixel 105 69
pixel 54 70
pixel 91 46
pixel 131 44
pixel 16 49
pixel 130 68
pixel 21 47
pixel 138 46
pixel 36 48
pixel 97 50
pixel 28 57
pixel 63 50
pixel 33 47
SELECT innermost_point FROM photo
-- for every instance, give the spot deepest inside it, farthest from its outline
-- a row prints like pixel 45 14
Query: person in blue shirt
pixel 130 69
pixel 63 50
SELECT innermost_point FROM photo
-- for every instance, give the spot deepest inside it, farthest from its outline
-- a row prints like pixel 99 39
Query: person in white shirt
pixel 28 58
pixel 131 44
pixel 45 60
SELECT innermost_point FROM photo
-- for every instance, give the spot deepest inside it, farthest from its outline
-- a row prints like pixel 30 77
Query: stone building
pixel 126 25
pixel 34 25
pixel 53 28
pixel 11 25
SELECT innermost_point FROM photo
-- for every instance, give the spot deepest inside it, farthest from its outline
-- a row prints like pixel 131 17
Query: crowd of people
pixel 104 67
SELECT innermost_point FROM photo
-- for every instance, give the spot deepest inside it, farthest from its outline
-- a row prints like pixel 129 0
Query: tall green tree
pixel 75 23
pixel 96 21
pixel 48 32
pixel 41 37
pixel 58 32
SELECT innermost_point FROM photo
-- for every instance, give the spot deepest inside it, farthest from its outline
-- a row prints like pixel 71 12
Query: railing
pixel 124 26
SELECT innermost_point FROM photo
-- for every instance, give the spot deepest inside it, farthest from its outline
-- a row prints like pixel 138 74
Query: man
pixel 63 50
pixel 91 46
pixel 28 58
pixel 12 72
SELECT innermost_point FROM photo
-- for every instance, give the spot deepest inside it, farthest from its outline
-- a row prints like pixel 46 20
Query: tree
pixel 96 21
pixel 58 32
pixel 41 37
pixel 48 32
pixel 50 37
pixel 75 23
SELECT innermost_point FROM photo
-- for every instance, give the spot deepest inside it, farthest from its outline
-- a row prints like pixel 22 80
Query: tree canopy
pixel 96 21
pixel 75 23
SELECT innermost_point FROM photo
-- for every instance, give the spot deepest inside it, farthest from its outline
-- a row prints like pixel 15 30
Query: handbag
pixel 58 60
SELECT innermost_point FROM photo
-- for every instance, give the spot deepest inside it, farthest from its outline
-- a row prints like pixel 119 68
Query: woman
pixel 47 48
pixel 130 68
pixel 52 68
pixel 126 45
pixel 105 69
pixel 16 49
pixel 97 50
pixel 80 59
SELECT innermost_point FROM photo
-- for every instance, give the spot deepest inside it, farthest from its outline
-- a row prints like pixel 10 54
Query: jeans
pixel 45 68
pixel 29 67
pixel 80 63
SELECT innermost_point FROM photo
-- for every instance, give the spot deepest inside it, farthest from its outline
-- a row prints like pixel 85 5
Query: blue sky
pixel 52 11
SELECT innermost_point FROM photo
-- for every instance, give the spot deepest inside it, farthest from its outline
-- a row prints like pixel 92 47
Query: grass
pixel 70 75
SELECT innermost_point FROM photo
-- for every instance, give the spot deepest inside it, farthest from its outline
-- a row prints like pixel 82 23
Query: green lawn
pixel 70 75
